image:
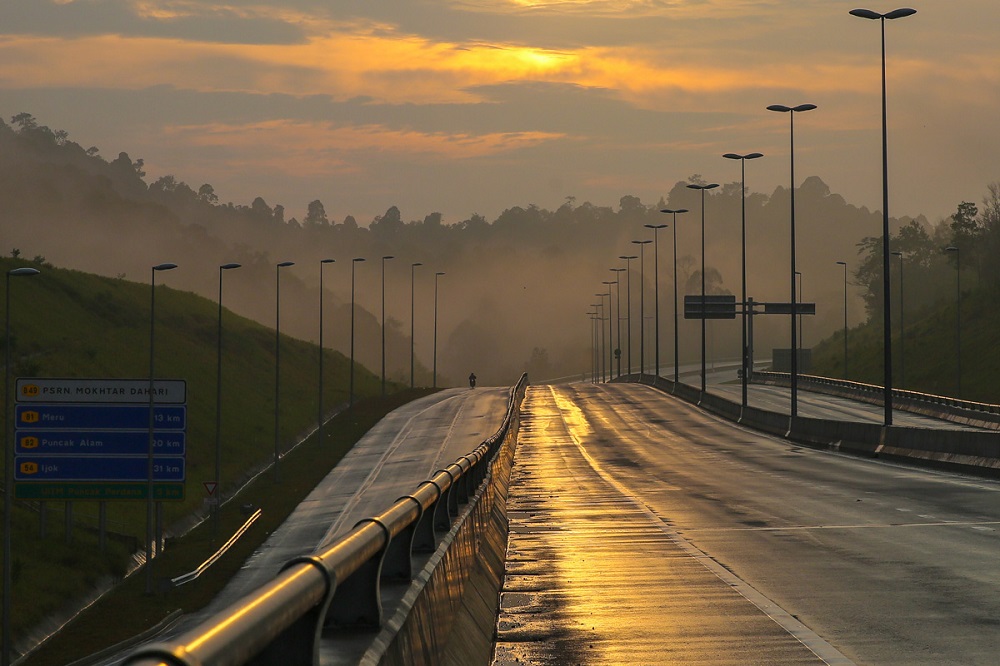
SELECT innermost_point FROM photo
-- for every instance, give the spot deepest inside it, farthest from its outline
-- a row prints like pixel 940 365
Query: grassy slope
pixel 929 346
pixel 127 611
pixel 71 324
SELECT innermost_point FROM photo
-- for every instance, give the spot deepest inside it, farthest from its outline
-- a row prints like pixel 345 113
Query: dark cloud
pixel 99 17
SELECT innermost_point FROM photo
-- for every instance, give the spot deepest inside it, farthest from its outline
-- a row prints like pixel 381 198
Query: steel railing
pixel 282 621
pixel 904 399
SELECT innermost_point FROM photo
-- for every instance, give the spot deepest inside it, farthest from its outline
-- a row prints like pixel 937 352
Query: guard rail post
pixel 425 539
pixel 357 600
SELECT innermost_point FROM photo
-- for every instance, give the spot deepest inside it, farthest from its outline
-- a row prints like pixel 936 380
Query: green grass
pixel 71 324
pixel 127 611
pixel 930 362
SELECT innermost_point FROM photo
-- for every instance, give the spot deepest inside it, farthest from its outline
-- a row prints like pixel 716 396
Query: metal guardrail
pixel 183 579
pixel 282 621
pixel 902 398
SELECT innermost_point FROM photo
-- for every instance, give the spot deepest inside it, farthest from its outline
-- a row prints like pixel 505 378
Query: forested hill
pixel 515 290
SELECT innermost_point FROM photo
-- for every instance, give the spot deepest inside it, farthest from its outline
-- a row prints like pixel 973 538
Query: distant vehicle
pixel 472 380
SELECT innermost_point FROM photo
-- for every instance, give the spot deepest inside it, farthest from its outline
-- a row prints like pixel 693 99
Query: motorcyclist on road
pixel 472 380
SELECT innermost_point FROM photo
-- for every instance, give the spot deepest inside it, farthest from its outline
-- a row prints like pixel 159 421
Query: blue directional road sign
pixel 112 442
pixel 96 468
pixel 99 417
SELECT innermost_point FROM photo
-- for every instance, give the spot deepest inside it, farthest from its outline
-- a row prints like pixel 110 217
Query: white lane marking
pixel 373 474
pixel 867 526
pixel 810 639
pixel 444 440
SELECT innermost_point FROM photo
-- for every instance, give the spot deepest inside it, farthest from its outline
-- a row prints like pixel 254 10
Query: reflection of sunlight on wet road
pixel 593 578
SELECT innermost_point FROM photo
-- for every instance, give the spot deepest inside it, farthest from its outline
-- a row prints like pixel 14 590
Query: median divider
pixel 283 621
pixel 970 451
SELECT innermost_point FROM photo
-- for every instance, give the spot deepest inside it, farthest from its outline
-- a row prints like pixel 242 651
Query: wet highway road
pixel 403 449
pixel 645 531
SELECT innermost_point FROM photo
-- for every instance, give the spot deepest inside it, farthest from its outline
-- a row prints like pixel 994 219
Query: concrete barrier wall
pixel 964 450
pixel 976 414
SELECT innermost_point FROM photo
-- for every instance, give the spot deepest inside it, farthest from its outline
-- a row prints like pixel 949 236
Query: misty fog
pixel 515 292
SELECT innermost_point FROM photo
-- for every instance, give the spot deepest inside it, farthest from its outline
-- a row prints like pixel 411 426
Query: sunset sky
pixel 473 106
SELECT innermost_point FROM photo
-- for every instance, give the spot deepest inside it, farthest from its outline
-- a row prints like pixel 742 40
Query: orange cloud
pixel 305 148
pixel 393 68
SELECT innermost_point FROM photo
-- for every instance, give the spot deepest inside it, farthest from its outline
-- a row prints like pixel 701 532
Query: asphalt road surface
pixel 647 531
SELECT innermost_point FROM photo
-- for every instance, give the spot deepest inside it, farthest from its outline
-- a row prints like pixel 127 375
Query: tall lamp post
pixel 150 557
pixel 702 188
pixel 413 268
pixel 744 354
pixel 791 111
pixel 598 338
pixel 677 373
pixel 277 359
pixel 436 276
pixel 798 274
pixel 902 327
pixel 628 305
pixel 388 256
pixel 593 347
pixel 350 398
pixel 958 317
pixel 844 264
pixel 611 337
pixel 886 314
pixel 618 319
pixel 8 484
pixel 642 303
pixel 656 290
pixel 218 406
pixel 604 341
pixel 321 415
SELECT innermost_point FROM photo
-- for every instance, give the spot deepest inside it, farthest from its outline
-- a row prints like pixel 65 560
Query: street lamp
pixel 593 347
pixel 436 276
pixel 902 326
pixel 388 256
pixel 598 334
pixel 958 316
pixel 886 315
pixel 844 264
pixel 744 356
pixel 321 416
pixel 791 111
pixel 628 303
pixel 618 317
pixel 677 373
pixel 218 405
pixel 656 289
pixel 604 341
pixel 642 303
pixel 611 337
pixel 277 358
pixel 8 484
pixel 350 392
pixel 413 268
pixel 702 188
pixel 149 450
